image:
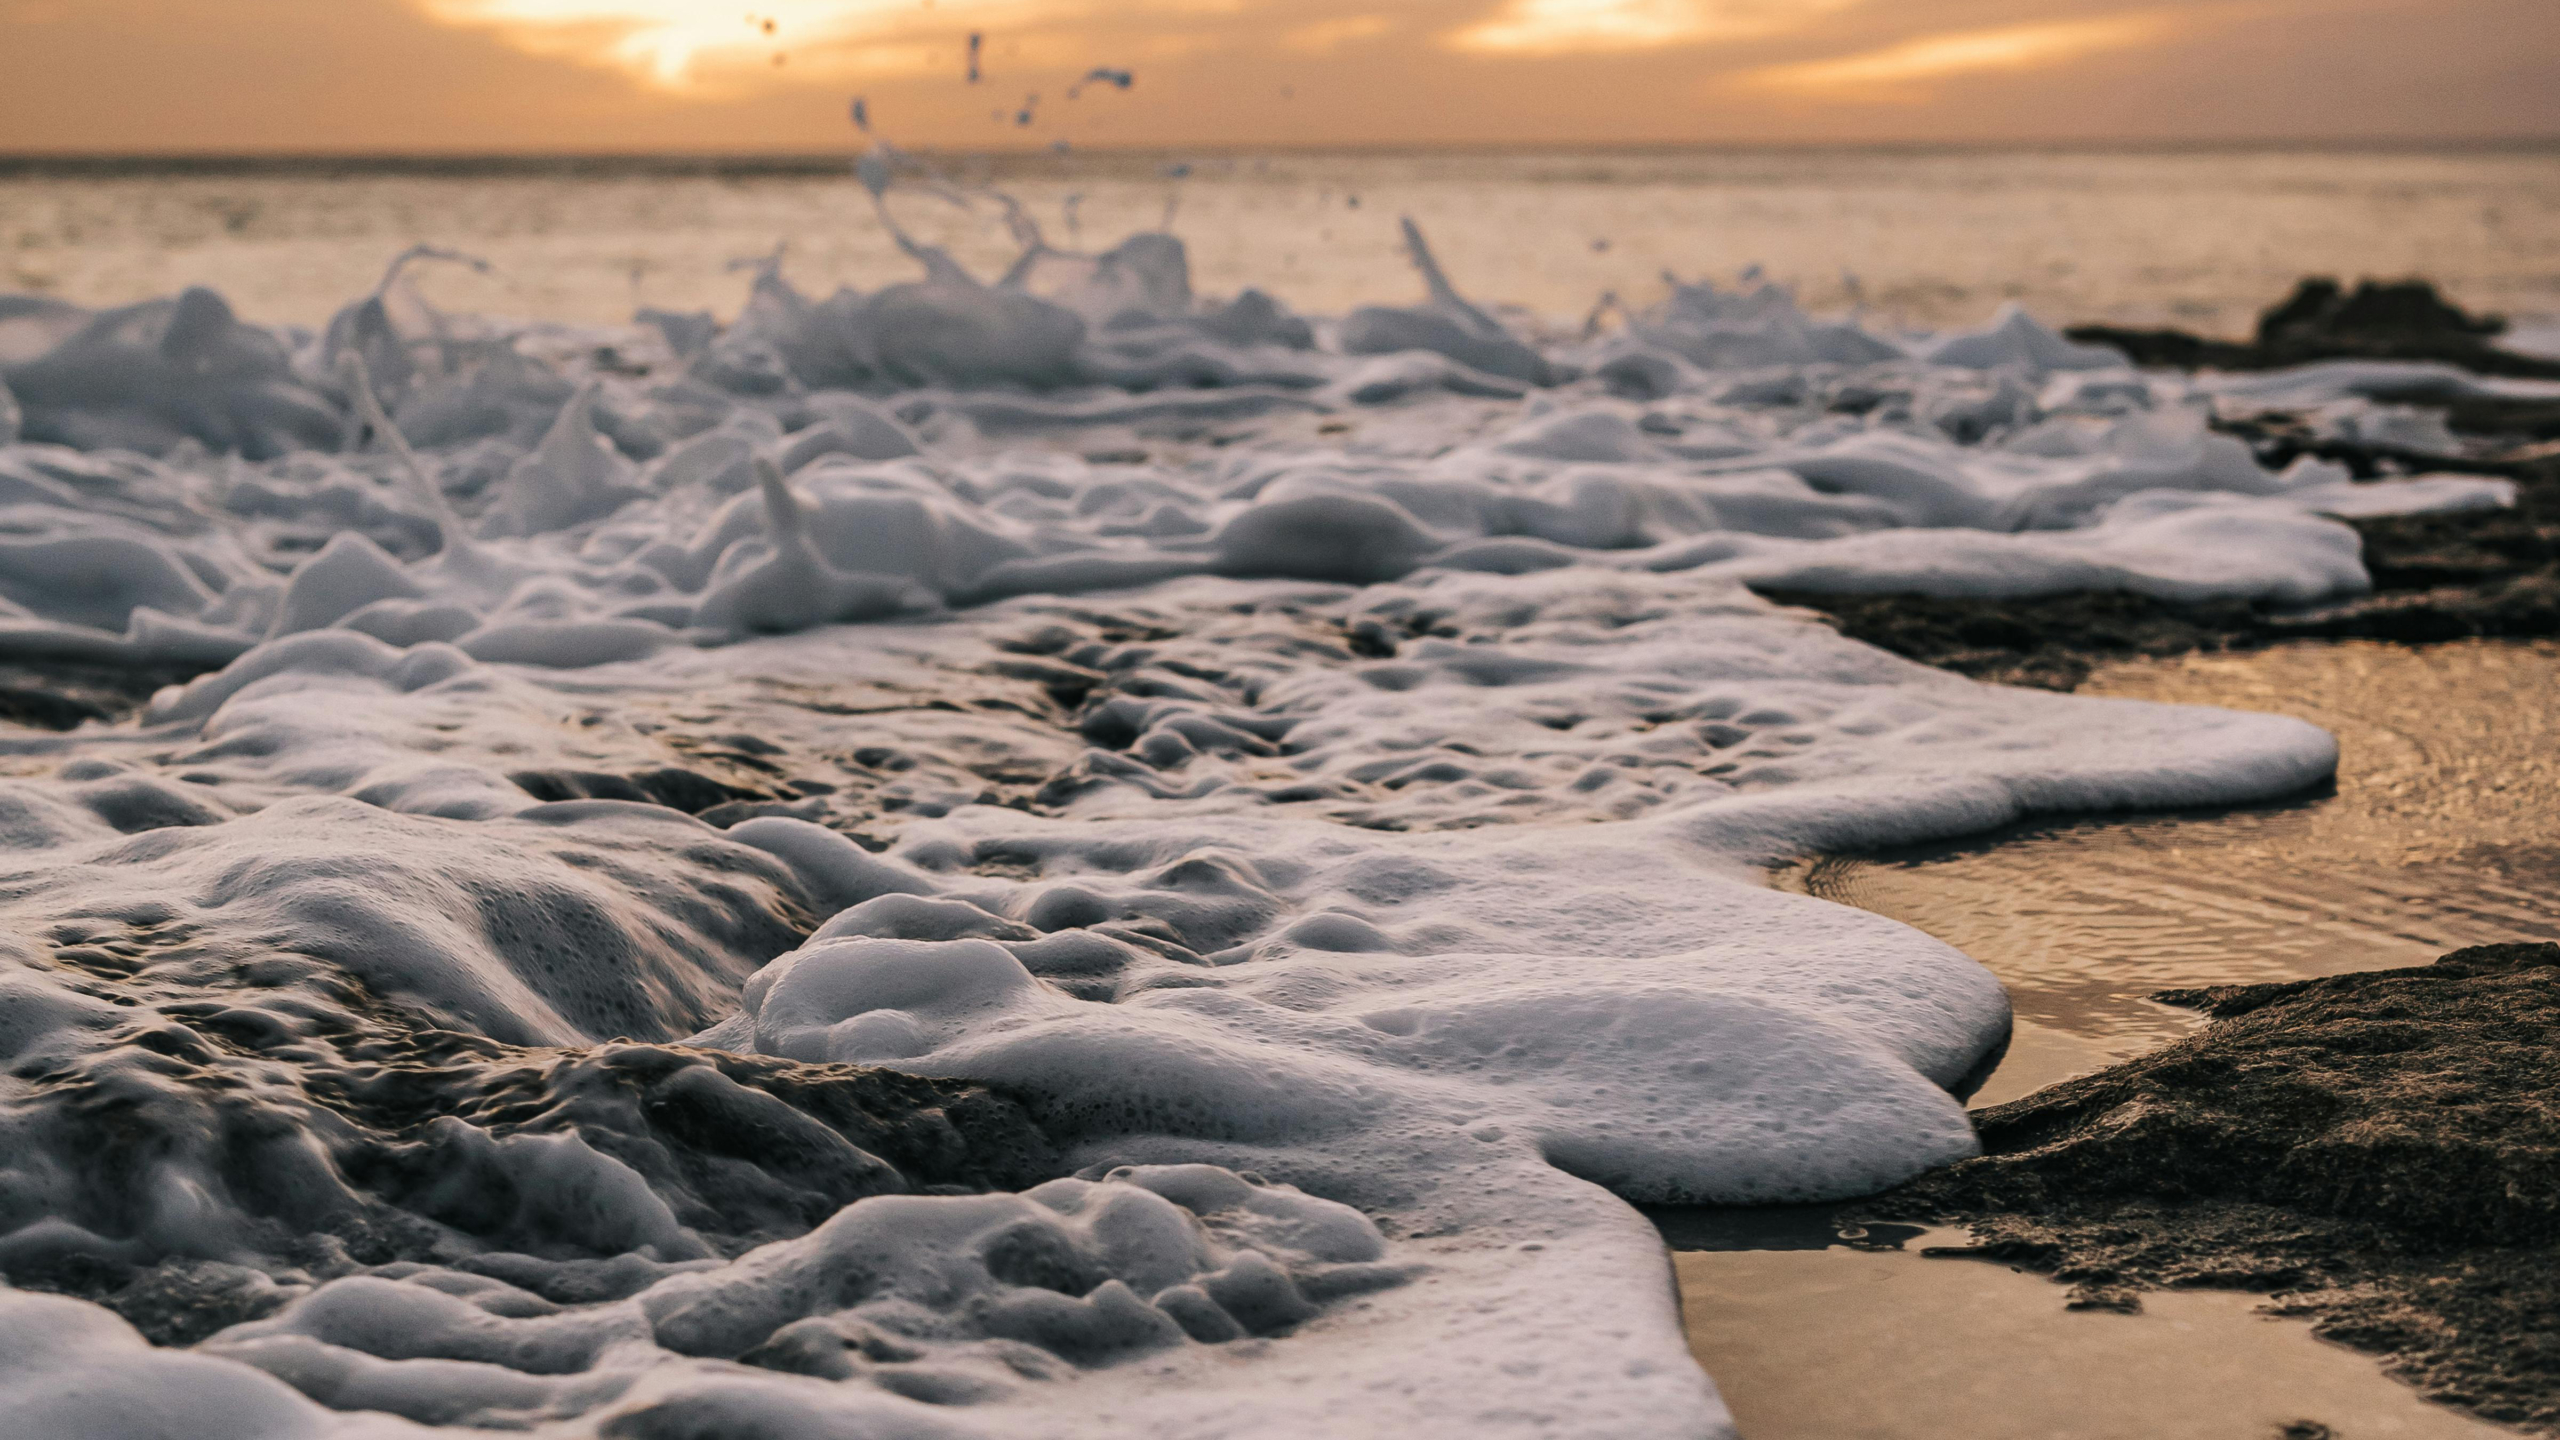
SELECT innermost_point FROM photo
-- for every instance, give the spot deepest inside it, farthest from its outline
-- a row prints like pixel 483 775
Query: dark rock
pixel 2424 1100
pixel 678 789
pixel 44 709
pixel 2435 577
pixel 62 695
pixel 2380 1150
pixel 2045 642
pixel 2320 320
pixel 2383 311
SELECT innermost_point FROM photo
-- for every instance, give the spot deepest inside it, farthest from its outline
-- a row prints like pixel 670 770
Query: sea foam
pixel 1045 858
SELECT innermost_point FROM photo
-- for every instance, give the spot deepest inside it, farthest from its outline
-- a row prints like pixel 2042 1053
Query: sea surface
pixel 2198 238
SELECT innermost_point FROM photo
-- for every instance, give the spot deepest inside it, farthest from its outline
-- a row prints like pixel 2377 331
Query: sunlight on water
pixel 2439 834
pixel 2202 240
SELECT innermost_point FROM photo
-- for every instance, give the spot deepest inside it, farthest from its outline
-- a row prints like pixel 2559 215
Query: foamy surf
pixel 1283 795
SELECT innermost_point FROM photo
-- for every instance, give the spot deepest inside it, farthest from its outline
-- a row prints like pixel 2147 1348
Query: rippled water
pixel 2443 831
pixel 2198 238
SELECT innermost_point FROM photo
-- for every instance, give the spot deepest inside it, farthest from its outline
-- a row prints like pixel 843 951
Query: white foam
pixel 1321 765
pixel 1764 443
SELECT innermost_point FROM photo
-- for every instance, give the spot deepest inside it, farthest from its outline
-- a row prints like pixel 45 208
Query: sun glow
pixel 683 44
pixel 1899 72
pixel 1326 36
pixel 1549 27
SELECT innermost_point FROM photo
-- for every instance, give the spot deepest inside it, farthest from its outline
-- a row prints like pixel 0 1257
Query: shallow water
pixel 1806 1342
pixel 2443 830
pixel 2440 831
pixel 2197 238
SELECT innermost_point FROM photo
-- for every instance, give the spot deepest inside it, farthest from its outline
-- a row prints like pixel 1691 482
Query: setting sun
pixel 683 44
pixel 777 75
pixel 1564 26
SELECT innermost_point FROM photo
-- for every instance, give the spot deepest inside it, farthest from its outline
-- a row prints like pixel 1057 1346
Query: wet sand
pixel 1851 1343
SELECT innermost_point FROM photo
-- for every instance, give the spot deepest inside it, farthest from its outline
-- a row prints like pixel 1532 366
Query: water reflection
pixel 2443 830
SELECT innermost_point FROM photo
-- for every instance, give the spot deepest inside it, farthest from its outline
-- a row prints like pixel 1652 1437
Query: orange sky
pixel 654 75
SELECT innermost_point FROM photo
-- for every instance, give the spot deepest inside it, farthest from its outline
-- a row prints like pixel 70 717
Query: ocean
pixel 2201 239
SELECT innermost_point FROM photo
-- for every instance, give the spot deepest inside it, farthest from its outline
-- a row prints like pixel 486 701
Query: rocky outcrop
pixel 2378 1151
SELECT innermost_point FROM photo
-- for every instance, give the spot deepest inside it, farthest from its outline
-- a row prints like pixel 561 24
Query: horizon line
pixel 796 160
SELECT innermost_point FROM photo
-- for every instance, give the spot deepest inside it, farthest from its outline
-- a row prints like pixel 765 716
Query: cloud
pixel 168 76
pixel 1326 36
pixel 1562 27
pixel 1900 73
pixel 380 75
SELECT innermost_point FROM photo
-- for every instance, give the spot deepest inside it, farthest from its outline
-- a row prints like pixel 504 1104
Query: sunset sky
pixel 656 75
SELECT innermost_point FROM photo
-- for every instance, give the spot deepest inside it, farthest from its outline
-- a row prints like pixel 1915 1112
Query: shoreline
pixel 2433 838
pixel 2368 1151
pixel 2372 1151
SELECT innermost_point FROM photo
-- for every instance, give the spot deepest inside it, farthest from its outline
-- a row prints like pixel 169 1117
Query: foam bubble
pixel 1048 857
